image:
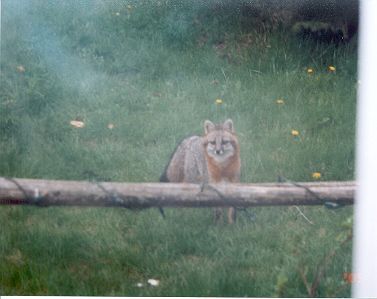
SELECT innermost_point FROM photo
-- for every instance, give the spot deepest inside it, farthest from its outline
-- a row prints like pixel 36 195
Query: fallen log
pixel 146 195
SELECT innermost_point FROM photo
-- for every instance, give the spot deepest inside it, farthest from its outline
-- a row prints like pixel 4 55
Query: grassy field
pixel 142 75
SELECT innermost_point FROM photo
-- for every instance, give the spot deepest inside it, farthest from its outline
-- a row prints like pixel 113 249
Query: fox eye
pixel 225 141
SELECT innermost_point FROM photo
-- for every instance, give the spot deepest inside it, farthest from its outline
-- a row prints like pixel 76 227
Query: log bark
pixel 146 195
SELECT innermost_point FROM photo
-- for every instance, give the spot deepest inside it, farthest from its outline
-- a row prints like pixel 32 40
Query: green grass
pixel 154 71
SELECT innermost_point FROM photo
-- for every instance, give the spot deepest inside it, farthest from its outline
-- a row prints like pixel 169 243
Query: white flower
pixel 77 123
pixel 153 282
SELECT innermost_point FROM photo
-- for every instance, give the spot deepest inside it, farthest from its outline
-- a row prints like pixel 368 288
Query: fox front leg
pixel 231 215
pixel 218 215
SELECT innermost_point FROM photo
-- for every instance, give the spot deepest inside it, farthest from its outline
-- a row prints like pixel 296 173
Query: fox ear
pixel 228 125
pixel 208 126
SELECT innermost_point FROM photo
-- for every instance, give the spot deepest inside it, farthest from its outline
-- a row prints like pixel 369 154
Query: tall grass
pixel 153 71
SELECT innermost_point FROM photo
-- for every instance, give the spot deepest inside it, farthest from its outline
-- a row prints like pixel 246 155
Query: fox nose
pixel 218 152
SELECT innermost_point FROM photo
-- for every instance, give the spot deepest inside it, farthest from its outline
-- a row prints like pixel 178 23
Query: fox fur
pixel 211 158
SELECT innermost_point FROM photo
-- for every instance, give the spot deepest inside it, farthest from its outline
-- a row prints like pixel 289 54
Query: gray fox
pixel 211 158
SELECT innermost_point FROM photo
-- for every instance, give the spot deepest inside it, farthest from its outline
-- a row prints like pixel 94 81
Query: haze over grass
pixel 141 76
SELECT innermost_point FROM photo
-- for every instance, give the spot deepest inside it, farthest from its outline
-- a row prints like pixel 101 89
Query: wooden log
pixel 146 195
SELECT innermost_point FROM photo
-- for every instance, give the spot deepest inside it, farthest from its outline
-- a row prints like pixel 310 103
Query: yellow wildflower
pixel 295 133
pixel 331 68
pixel 309 70
pixel 316 175
pixel 219 101
pixel 280 101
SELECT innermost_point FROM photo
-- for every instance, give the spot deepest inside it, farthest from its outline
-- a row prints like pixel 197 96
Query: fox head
pixel 220 141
